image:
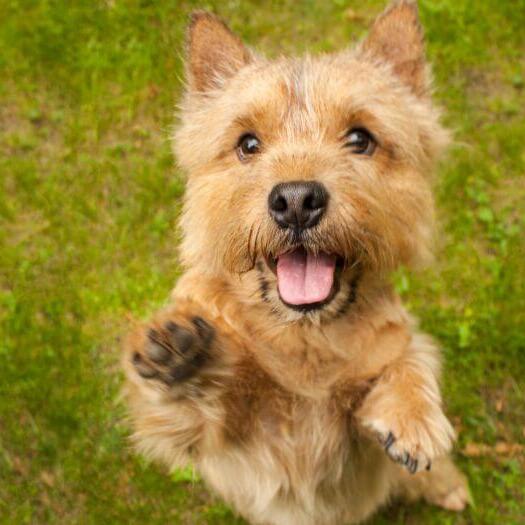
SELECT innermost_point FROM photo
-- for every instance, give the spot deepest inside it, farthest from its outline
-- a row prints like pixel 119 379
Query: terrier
pixel 285 368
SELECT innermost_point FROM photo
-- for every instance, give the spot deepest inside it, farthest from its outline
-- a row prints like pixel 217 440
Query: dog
pixel 285 368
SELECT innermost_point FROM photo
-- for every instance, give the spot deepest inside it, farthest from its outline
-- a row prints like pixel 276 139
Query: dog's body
pixel 286 369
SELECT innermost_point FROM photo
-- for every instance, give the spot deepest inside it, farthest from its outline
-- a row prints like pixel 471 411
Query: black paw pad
pixel 174 353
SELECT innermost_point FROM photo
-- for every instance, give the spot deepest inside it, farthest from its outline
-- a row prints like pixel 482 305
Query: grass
pixel 88 198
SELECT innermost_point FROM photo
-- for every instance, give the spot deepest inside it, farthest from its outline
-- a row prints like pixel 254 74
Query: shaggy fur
pixel 300 416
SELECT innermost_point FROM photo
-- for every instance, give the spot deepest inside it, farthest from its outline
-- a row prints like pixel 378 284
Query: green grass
pixel 88 198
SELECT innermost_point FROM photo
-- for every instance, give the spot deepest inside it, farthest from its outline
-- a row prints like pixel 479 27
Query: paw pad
pixel 174 353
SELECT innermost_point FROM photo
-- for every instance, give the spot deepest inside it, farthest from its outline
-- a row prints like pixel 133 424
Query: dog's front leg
pixel 176 368
pixel 403 409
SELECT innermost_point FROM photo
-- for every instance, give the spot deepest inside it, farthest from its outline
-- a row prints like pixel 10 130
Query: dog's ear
pixel 397 38
pixel 214 53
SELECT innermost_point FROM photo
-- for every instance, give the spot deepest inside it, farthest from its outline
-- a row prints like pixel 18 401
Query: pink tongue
pixel 303 278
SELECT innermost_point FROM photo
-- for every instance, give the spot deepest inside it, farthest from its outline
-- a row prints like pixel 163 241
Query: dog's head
pixel 306 172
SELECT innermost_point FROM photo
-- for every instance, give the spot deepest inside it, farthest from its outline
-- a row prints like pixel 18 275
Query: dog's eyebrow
pixel 361 117
pixel 256 123
pixel 245 122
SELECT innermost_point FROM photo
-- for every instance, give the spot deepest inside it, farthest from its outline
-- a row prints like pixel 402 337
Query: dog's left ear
pixel 397 38
pixel 214 53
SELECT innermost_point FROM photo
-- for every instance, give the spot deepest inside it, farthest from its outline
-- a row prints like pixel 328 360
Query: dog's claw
pixel 389 441
pixel 394 449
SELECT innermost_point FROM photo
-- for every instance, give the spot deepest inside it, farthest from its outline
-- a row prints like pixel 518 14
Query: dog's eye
pixel 248 145
pixel 360 141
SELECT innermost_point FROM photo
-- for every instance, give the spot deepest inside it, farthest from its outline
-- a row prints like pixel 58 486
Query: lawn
pixel 89 196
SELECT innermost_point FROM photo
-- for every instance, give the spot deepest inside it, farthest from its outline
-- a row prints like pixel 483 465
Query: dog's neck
pixel 309 352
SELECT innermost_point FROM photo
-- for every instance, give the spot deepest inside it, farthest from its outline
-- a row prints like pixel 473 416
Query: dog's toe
pixel 142 367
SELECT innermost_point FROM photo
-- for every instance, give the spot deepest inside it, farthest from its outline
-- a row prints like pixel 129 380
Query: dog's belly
pixel 310 470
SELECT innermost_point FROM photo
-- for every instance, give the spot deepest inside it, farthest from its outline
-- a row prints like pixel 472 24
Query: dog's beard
pixel 263 240
pixel 349 250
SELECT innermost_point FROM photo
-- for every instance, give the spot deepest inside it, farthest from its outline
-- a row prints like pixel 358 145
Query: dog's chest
pixel 295 449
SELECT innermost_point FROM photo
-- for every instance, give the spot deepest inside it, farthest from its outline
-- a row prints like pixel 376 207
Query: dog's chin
pixel 306 282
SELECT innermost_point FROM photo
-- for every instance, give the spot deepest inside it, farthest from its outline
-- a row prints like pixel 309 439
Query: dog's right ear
pixel 214 53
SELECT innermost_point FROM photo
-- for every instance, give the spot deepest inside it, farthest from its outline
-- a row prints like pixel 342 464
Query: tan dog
pixel 286 369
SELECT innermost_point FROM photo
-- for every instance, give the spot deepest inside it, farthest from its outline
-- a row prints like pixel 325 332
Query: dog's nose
pixel 297 204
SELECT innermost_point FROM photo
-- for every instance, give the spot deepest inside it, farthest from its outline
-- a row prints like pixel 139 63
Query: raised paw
pixel 413 442
pixel 411 435
pixel 173 353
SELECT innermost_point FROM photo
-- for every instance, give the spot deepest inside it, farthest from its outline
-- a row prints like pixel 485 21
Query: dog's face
pixel 308 172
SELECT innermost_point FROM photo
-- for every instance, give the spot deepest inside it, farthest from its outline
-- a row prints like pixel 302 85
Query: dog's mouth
pixel 306 281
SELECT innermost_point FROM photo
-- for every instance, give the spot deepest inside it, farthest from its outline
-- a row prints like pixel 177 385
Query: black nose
pixel 297 204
